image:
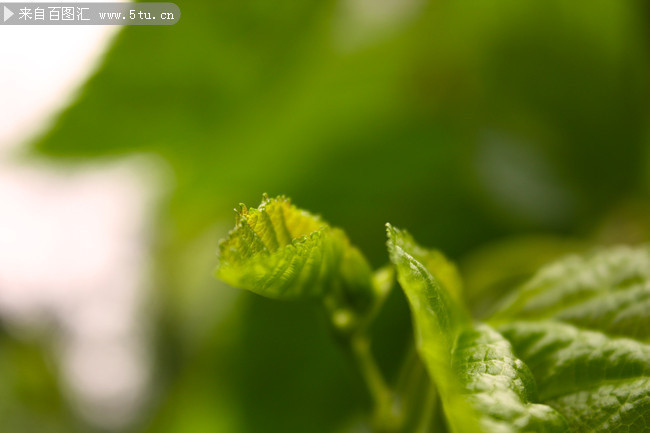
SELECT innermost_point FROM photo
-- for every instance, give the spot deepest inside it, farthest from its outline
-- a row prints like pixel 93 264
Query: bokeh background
pixel 504 133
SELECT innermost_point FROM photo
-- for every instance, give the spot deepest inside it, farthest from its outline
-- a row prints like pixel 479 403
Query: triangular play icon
pixel 7 13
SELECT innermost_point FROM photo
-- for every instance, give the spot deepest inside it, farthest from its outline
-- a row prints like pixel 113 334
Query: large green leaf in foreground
pixel 582 325
pixel 599 383
pixel 482 384
pixel 608 290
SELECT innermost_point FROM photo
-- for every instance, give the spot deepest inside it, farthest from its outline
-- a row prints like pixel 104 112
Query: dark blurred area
pixel 502 133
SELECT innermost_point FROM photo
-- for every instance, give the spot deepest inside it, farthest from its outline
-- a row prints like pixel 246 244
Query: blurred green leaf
pixel 31 399
pixel 493 271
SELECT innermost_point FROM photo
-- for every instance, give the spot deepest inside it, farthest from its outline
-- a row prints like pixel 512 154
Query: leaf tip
pixel 391 232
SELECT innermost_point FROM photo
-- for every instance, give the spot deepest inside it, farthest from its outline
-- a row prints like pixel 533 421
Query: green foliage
pixel 582 325
pixel 280 251
pixel 599 383
pixel 607 290
pixel 472 366
pixel 466 122
pixel 565 352
pixel 499 386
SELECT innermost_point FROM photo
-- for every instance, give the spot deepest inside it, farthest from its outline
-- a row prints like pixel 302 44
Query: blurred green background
pixel 503 133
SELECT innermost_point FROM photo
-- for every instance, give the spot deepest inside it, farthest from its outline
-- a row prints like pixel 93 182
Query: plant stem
pixel 416 394
pixel 384 417
pixel 375 382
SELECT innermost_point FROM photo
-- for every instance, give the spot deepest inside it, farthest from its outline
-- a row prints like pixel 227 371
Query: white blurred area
pixel 361 22
pixel 73 239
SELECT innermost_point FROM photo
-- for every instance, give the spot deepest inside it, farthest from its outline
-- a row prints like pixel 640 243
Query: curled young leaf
pixel 280 251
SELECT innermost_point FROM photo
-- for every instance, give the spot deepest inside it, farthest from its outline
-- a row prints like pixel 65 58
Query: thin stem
pixel 416 394
pixel 351 331
pixel 385 418
pixel 372 376
pixel 428 410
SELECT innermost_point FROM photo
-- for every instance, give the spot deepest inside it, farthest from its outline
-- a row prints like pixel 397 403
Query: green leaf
pixel 573 315
pixel 444 270
pixel 500 386
pixel 599 383
pixel 280 251
pixel 432 302
pixel 608 290
pixel 482 385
